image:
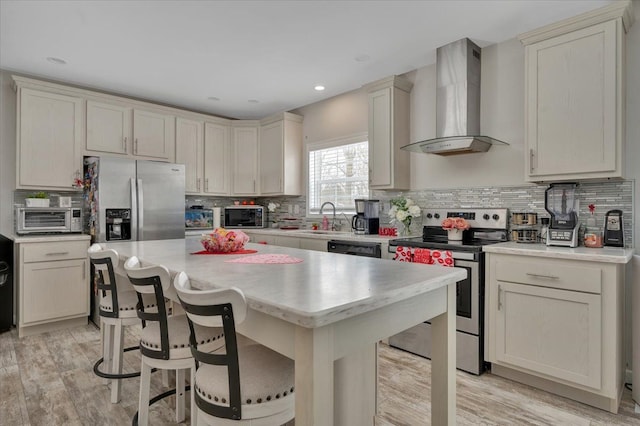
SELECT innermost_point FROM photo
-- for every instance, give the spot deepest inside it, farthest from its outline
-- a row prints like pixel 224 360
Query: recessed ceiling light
pixel 362 58
pixel 56 61
pixel 213 98
pixel 253 101
pixel 319 88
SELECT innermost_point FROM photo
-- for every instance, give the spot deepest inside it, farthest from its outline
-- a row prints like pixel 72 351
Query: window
pixel 339 173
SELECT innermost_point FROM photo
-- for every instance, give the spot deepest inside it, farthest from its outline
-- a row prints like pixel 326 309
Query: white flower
pixel 414 210
pixel 402 215
pixel 409 202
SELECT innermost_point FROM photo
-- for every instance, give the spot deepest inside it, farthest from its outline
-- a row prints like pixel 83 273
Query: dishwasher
pixel 355 248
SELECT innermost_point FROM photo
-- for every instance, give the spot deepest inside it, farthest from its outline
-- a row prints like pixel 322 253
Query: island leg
pixel 443 363
pixel 314 376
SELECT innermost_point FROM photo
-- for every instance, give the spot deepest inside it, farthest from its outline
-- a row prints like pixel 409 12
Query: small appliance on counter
pixel 198 218
pixel 244 216
pixel 613 232
pixel 562 204
pixel 367 218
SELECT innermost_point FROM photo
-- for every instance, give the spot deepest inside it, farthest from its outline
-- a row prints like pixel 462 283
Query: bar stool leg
pixel 192 395
pixel 107 349
pixel 180 385
pixel 165 378
pixel 118 343
pixel 143 402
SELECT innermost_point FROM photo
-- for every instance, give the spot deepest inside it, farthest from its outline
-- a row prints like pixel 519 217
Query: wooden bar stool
pixel 164 341
pixel 117 309
pixel 256 387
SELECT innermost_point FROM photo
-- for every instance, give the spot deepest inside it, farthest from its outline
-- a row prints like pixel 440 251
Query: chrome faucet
pixel 333 220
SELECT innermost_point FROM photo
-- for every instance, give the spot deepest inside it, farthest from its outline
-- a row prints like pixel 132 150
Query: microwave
pixel 46 220
pixel 244 217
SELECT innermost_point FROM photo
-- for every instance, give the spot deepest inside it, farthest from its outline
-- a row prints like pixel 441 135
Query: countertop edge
pixel 604 254
pixel 18 239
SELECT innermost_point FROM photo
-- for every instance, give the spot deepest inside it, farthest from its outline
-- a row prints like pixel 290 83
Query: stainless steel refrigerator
pixel 146 196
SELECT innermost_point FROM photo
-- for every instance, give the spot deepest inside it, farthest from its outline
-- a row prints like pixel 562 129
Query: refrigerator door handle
pixel 134 209
pixel 140 210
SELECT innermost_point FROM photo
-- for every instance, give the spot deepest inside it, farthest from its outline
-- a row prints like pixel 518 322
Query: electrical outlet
pixel 296 209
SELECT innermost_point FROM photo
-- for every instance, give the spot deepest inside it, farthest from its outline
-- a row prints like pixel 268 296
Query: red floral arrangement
pixel 455 223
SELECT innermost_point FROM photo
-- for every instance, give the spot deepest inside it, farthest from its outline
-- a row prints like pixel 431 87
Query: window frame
pixel 324 144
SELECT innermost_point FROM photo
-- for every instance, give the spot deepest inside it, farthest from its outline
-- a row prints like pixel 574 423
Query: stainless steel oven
pixel 46 220
pixel 488 226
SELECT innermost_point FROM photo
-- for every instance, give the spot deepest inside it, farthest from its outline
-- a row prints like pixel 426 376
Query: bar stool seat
pixel 164 340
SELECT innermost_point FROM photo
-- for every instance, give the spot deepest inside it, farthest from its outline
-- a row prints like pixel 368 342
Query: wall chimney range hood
pixel 457 103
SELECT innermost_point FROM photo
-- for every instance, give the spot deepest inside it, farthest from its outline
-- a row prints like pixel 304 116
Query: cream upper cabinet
pixel 574 97
pixel 189 148
pixel 281 155
pixel 217 173
pixel 153 134
pixel 50 132
pixel 388 131
pixel 108 128
pixel 245 158
pixel 557 324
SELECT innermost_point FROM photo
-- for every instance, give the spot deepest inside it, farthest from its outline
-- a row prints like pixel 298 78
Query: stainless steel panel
pixel 417 340
pixel 471 325
pixel 161 189
pixel 114 188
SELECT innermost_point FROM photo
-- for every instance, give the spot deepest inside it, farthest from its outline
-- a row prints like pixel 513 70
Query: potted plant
pixel 37 199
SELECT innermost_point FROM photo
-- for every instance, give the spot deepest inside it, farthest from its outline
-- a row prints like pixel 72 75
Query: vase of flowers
pixel 272 207
pixel 455 227
pixel 403 210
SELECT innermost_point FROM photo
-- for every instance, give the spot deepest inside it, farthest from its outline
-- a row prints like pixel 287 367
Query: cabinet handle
pixel 532 155
pixel 124 144
pixel 197 184
pixel 58 253
pixel 135 146
pixel 254 185
pixel 549 277
pixel 84 270
pixel 499 297
pixel 206 185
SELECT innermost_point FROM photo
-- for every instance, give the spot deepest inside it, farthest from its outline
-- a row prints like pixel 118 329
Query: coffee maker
pixel 367 218
pixel 562 204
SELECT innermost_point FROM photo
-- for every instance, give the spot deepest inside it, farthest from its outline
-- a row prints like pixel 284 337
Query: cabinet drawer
pixel 562 274
pixel 44 252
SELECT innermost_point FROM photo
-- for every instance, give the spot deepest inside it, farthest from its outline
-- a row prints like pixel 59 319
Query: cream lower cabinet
pixel 50 134
pixel 557 325
pixel 53 285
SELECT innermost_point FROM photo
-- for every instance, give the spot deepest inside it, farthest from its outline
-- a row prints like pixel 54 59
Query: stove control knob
pixel 437 215
pixel 429 215
pixel 496 217
pixel 485 216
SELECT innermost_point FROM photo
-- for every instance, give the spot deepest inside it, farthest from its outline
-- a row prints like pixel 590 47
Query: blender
pixel 562 204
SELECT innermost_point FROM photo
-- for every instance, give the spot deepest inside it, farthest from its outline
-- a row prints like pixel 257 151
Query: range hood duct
pixel 457 103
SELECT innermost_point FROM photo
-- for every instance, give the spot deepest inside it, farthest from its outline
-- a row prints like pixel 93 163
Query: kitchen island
pixel 327 313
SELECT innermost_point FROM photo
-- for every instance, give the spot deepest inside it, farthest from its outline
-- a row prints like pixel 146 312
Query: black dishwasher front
pixel 355 248
pixel 6 283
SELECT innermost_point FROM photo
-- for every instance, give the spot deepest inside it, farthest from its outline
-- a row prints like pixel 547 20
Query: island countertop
pixel 322 289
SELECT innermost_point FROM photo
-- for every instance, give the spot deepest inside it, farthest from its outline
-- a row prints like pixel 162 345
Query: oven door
pixel 468 298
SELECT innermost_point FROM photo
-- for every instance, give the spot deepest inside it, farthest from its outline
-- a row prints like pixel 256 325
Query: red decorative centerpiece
pixel 224 241
pixel 455 226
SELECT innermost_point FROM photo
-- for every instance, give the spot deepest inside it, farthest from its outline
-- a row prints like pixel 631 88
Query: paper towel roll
pixel 217 214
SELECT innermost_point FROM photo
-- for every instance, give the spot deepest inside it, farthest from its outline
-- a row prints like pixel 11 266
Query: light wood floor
pixel 48 380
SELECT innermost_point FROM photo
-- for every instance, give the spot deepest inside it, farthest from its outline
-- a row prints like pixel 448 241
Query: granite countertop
pixel 322 289
pixel 604 254
pixel 46 238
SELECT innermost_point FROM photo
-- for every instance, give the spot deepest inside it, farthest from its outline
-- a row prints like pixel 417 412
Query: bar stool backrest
pixel 102 261
pixel 215 308
pixel 151 280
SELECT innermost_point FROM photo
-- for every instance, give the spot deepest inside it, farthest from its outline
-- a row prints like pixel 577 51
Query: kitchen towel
pixel 433 257
pixel 403 254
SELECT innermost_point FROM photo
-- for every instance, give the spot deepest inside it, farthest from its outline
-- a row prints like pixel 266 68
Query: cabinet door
pixel 552 332
pixel 573 105
pixel 245 160
pixel 49 133
pixel 153 134
pixel 271 158
pixel 216 159
pixel 380 143
pixel 313 244
pixel 108 127
pixel 189 146
pixel 54 290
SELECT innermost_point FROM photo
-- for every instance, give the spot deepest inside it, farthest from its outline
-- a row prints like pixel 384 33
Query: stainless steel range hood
pixel 457 103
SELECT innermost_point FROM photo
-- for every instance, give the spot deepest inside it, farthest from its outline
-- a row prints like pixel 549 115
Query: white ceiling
pixel 275 52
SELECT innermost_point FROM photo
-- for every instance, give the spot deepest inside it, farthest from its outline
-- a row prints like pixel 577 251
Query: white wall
pixel 7 151
pixel 633 115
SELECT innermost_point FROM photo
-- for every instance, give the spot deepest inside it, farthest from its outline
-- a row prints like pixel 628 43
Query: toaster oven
pixel 47 220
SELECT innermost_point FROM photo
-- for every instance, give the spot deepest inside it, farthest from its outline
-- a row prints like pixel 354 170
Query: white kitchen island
pixel 328 313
